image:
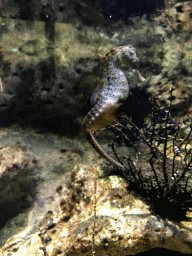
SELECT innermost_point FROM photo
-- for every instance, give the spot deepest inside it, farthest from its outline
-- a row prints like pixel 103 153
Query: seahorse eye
pixel 131 54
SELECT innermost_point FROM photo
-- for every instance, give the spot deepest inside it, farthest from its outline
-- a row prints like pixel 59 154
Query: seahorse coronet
pixel 107 99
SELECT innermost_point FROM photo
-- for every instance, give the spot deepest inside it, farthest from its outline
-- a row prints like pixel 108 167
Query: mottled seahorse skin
pixel 111 95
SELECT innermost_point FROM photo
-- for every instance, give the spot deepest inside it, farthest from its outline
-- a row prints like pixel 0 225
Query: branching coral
pixel 161 168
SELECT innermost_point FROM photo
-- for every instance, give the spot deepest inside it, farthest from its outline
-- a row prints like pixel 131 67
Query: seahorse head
pixel 127 56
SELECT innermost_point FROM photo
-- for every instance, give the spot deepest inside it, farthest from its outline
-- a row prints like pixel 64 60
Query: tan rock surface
pixel 123 224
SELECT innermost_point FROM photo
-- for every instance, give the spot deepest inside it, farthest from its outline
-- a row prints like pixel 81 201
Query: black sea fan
pixel 160 170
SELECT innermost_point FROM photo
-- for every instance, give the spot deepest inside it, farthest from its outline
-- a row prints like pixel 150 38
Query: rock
pixel 176 60
pixel 27 167
pixel 18 186
pixel 123 224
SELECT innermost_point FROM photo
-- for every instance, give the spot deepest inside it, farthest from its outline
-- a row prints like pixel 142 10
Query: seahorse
pixel 111 95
